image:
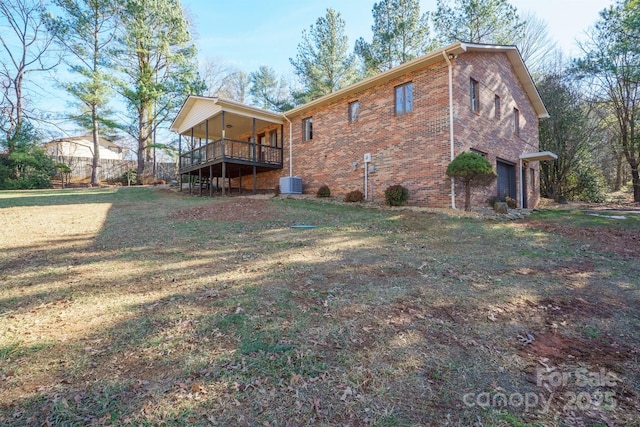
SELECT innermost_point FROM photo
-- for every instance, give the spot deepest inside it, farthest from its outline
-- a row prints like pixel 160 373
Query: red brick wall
pixel 405 149
pixel 413 149
pixel 482 130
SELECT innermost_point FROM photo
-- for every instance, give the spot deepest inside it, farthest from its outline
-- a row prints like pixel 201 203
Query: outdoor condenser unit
pixel 291 185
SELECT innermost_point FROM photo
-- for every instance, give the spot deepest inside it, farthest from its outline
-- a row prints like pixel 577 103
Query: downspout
pixel 290 147
pixel 521 186
pixel 453 187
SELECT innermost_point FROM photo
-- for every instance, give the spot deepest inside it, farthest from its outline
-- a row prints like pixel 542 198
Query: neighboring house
pixel 393 128
pixel 77 153
pixel 82 146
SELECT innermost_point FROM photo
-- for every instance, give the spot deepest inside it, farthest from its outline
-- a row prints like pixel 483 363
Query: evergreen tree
pixel 471 170
pixel 158 60
pixel 323 63
pixel 268 90
pixel 610 66
pixel 26 166
pixel 477 21
pixel 569 133
pixel 87 30
pixel 400 33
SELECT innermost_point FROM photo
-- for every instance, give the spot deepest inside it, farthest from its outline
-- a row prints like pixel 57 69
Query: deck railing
pixel 231 149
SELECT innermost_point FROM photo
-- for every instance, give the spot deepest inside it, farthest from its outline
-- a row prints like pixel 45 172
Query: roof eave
pixel 453 49
pixel 521 71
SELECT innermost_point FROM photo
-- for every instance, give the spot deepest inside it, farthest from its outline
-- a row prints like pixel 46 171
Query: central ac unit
pixel 291 185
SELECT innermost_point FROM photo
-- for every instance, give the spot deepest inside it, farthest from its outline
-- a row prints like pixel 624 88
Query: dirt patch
pixel 577 307
pixel 622 242
pixel 234 209
pixel 596 352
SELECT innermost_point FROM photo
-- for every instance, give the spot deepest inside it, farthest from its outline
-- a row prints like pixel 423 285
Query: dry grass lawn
pixel 141 306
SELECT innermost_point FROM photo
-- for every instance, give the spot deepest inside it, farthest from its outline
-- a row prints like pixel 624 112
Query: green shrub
pixel 24 165
pixel 590 184
pixel 354 196
pixel 323 191
pixel 129 176
pixel 396 195
pixel 511 203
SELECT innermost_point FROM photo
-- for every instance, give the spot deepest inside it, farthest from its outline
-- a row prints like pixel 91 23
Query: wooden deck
pixel 211 164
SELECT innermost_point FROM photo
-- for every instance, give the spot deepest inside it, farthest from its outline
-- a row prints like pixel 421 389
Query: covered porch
pixel 222 140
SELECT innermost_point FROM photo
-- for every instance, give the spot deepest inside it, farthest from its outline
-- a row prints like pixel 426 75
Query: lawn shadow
pixel 384 318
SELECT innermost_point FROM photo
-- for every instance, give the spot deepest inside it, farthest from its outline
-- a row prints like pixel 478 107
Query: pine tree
pixel 158 60
pixel 268 90
pixel 87 30
pixel 400 33
pixel 323 63
pixel 477 21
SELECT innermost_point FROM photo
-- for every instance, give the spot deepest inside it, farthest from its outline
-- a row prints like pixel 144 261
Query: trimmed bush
pixel 323 191
pixel 354 196
pixel 471 170
pixel 396 195
pixel 276 190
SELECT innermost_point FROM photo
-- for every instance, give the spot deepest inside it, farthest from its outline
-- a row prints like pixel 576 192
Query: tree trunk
pixel 618 184
pixel 95 175
pixel 143 136
pixel 467 196
pixel 635 179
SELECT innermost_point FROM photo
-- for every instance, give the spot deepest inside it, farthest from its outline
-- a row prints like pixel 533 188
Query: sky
pixel 247 34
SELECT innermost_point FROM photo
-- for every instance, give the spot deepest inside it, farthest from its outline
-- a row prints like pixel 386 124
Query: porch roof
pixel 238 117
pixel 540 156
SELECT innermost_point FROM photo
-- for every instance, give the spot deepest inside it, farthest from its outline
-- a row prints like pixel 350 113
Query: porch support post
pixel 180 159
pixel 253 139
pixel 206 138
pixel 192 145
pixel 222 132
pixel 190 183
pixel 229 184
pixel 224 172
pixel 200 182
pixel 210 180
pixel 255 179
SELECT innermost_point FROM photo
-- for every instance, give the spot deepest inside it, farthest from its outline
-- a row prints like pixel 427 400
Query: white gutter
pixel 453 183
pixel 290 146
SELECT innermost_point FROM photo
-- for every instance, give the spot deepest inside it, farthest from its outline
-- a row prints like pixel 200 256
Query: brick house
pixel 393 128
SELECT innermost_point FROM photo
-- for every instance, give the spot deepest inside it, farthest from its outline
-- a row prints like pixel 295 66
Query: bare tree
pixel 216 74
pixel 536 45
pixel 238 87
pixel 26 45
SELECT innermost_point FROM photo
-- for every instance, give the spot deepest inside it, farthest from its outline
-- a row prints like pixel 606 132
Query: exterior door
pixel 506 179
